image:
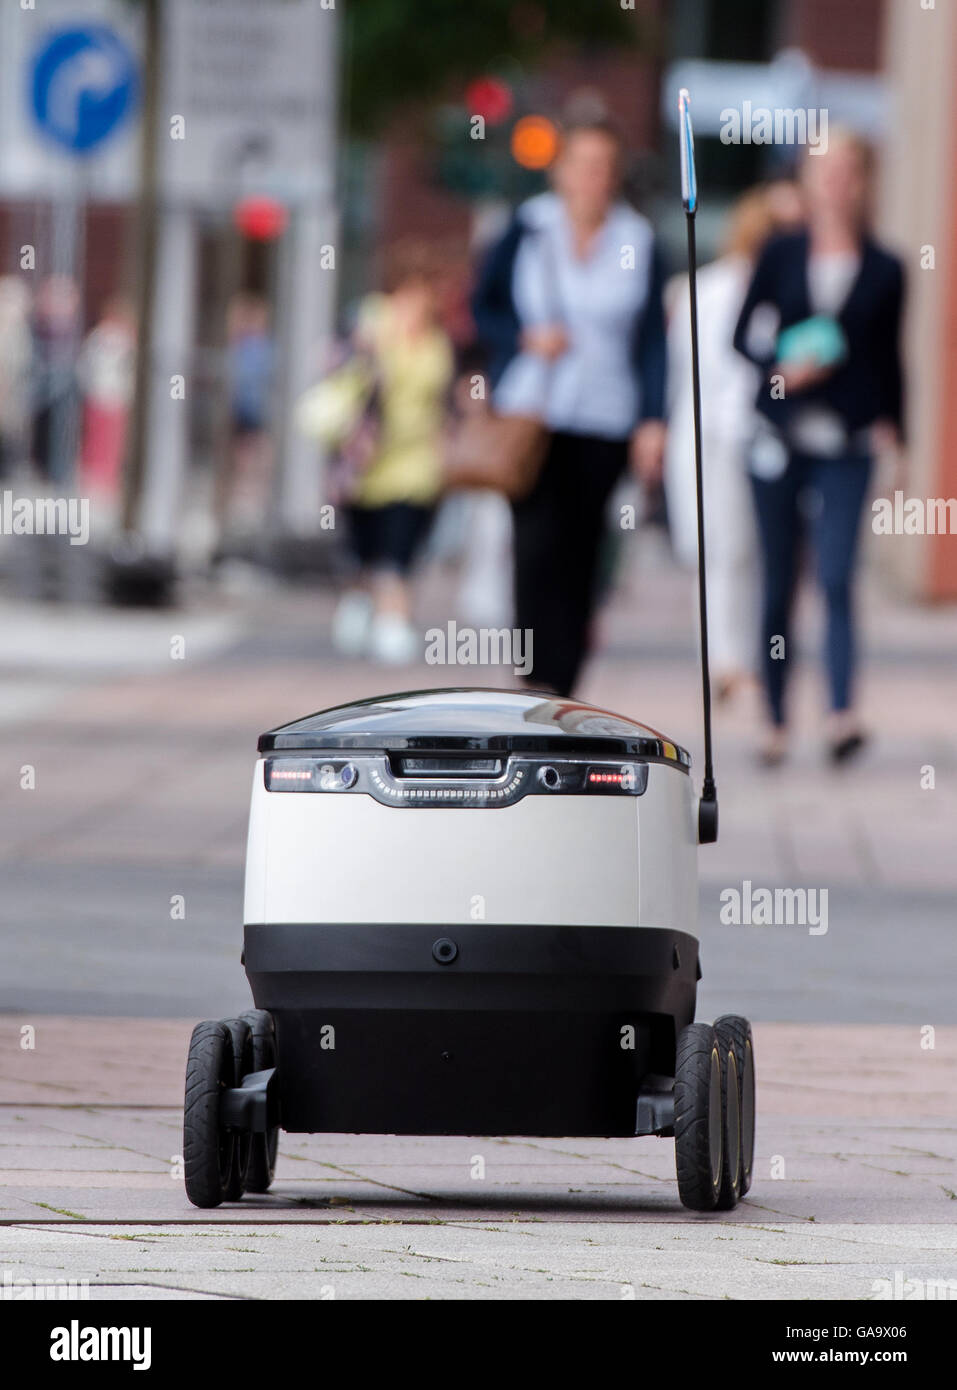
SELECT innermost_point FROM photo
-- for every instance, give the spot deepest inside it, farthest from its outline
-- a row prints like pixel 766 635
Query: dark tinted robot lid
pixel 478 719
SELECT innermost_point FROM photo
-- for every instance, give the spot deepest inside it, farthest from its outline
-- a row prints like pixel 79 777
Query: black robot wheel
pixel 242 1043
pixel 207 1145
pixel 699 1117
pixel 262 1157
pixel 738 1030
pixel 731 1122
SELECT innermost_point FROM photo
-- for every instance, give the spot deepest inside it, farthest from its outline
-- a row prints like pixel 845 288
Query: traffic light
pixel 487 149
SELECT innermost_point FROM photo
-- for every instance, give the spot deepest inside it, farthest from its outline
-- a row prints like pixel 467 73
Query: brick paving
pixel 142 779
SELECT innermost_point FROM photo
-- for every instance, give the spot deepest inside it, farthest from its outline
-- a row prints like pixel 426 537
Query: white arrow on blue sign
pixel 84 85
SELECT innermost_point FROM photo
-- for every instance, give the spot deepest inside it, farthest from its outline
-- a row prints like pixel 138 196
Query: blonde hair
pixel 843 137
pixel 851 140
pixel 750 223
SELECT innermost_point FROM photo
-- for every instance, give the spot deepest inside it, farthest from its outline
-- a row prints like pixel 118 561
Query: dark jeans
pixel 832 491
pixel 558 532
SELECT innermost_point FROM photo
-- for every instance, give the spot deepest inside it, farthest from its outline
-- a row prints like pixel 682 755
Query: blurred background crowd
pixel 274 272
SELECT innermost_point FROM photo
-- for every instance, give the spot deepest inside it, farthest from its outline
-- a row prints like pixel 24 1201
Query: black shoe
pixel 842 750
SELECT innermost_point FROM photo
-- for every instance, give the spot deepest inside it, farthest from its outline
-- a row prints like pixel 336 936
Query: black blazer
pixel 868 385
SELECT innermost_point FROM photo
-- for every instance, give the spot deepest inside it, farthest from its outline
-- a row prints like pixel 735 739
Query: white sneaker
pixel 351 623
pixel 392 641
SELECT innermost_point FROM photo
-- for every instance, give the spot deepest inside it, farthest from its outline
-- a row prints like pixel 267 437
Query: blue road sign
pixel 83 85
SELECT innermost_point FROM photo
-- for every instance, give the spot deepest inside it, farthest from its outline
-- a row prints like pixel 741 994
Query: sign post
pixel 246 107
pixel 82 88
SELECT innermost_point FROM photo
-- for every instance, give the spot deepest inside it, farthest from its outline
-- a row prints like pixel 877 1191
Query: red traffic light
pixel 489 98
pixel 260 218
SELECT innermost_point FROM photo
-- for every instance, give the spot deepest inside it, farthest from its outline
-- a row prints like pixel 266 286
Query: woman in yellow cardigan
pixel 394 500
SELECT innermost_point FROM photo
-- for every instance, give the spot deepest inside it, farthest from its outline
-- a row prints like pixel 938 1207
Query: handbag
pixel 343 413
pixel 504 453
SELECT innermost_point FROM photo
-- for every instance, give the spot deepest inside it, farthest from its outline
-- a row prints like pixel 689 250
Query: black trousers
pixel 558 533
pixel 389 537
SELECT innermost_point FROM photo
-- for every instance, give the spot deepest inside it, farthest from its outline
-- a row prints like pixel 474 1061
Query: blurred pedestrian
pixel 569 308
pixel 15 356
pixel 243 486
pixel 832 392
pixel 399 478
pixel 728 385
pixel 55 326
pixel 105 373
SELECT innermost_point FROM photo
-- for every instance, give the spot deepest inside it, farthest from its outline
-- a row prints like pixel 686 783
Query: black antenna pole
pixel 708 804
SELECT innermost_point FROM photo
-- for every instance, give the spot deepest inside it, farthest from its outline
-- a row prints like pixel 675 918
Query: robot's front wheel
pixel 699 1117
pixel 714 1113
pixel 208 1147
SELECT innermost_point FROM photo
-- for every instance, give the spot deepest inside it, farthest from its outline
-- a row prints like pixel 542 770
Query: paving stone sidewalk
pixel 142 777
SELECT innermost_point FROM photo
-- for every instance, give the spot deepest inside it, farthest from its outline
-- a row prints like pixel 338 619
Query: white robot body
pixel 568 861
pixel 454 897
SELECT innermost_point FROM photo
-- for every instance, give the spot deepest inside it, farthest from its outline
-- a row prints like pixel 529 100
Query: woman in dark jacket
pixel 832 393
pixel 569 311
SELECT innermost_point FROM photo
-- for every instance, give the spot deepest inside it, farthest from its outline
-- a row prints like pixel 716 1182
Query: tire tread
pixel 692 1121
pixel 204 1066
pixel 738 1029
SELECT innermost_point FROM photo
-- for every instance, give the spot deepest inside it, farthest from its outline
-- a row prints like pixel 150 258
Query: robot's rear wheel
pixel 242 1045
pixel 737 1031
pixel 730 1122
pixel 262 1158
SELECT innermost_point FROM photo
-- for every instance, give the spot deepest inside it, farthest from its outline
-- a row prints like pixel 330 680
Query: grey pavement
pixel 489 1260
pixel 142 770
pixel 854 1182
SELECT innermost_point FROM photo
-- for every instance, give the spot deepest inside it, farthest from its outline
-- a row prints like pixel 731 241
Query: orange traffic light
pixel 534 142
